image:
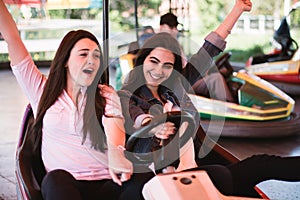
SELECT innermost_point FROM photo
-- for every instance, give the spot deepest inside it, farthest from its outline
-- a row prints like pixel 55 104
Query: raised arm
pixel 240 6
pixel 214 44
pixel 9 31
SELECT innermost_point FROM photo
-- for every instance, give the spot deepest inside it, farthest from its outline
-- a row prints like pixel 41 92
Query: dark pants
pixel 133 189
pixel 251 171
pixel 236 179
pixel 240 178
pixel 61 185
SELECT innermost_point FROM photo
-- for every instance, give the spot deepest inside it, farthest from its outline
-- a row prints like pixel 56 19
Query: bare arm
pixel 240 6
pixel 113 123
pixel 16 48
pixel 214 44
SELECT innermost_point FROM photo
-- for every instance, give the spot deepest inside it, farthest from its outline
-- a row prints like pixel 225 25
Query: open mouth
pixel 88 71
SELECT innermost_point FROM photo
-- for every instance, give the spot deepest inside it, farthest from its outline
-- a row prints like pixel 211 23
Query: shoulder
pixel 124 93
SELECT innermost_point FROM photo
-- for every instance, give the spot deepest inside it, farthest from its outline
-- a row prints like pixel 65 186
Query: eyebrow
pixel 88 50
pixel 167 63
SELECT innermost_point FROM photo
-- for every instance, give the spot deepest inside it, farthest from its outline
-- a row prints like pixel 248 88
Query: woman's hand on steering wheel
pixel 164 130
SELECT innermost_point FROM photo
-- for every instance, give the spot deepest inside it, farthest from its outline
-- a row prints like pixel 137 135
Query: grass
pixel 243 46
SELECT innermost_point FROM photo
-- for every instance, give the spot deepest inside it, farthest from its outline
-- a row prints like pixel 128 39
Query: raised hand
pixel 240 6
pixel 246 5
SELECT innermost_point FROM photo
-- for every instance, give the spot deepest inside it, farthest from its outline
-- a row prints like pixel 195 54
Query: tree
pixel 123 12
pixel 212 12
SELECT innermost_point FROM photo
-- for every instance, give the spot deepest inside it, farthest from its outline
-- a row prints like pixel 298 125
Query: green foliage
pixel 43 34
pixel 295 19
pixel 267 7
pixel 242 55
pixel 211 13
pixel 243 46
pixel 57 14
pixel 120 23
pixel 122 12
pixel 90 13
pixel 37 56
pixel 4 57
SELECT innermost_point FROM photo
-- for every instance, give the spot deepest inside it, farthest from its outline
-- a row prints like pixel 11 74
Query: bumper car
pixel 281 67
pixel 30 169
pixel 260 110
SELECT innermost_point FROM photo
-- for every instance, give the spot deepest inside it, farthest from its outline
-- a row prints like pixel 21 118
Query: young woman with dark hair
pixel 156 85
pixel 78 131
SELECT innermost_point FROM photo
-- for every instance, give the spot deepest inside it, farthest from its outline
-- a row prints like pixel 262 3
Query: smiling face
pixel 157 67
pixel 83 64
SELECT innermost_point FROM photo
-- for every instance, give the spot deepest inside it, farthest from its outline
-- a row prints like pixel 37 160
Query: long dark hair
pixel 163 40
pixel 56 83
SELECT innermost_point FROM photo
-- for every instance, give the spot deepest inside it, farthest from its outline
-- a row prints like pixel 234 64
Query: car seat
pixel 29 169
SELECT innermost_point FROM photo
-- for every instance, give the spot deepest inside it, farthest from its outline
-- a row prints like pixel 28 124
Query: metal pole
pixel 136 20
pixel 105 6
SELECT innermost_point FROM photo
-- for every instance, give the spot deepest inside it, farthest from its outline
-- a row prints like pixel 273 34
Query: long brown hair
pixel 164 40
pixel 56 83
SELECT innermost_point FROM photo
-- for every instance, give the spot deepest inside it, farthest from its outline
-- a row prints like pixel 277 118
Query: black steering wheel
pixel 223 64
pixel 167 154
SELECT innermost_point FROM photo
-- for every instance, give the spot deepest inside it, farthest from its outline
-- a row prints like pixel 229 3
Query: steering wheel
pixel 293 47
pixel 224 65
pixel 167 154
